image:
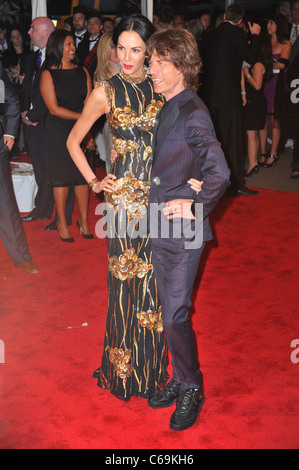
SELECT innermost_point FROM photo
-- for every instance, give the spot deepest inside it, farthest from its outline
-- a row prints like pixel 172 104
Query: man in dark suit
pixel 87 50
pixel 34 112
pixel 11 229
pixel 294 34
pixel 185 146
pixel 223 52
pixel 80 23
pixel 293 102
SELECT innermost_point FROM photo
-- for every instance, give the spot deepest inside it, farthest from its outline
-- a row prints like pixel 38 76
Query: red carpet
pixel 246 318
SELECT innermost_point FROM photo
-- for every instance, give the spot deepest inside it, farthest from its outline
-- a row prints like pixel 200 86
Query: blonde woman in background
pixel 107 67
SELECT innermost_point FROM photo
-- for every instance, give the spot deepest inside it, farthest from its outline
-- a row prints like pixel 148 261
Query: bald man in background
pixel 34 112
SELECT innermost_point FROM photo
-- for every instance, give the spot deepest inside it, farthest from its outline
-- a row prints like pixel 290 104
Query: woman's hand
pixel 107 184
pixel 246 70
pixel 195 184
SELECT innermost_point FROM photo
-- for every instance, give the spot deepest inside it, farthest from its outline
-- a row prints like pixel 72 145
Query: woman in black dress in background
pixel 255 109
pixel 65 88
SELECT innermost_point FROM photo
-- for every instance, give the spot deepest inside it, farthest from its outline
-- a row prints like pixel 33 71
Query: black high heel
pixel 89 236
pixel 273 163
pixel 66 240
pixel 262 155
pixel 253 170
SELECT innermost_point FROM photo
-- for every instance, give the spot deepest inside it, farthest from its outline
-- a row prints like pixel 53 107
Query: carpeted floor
pixel 276 177
pixel 245 318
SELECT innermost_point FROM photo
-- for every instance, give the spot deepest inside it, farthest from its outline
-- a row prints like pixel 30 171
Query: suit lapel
pixel 167 121
pixel 164 128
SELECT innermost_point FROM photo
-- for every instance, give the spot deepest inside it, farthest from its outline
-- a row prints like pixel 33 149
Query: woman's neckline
pixel 134 80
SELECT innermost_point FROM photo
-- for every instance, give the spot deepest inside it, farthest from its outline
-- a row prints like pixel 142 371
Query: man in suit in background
pixel 294 34
pixel 87 51
pixel 34 112
pixel 223 52
pixel 291 74
pixel 80 27
pixel 185 146
pixel 3 40
pixel 11 229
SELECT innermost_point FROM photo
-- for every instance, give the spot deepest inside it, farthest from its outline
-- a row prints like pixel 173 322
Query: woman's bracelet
pixel 243 92
pixel 93 182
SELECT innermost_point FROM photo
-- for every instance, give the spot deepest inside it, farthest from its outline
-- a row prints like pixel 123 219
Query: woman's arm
pixel 256 79
pixel 89 84
pixel 48 93
pixel 95 107
pixel 243 89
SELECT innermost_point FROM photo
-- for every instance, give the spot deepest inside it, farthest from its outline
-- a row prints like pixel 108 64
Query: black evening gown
pixel 135 355
pixel 71 89
pixel 255 111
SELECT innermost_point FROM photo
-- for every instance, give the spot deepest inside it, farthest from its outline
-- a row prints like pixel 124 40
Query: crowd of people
pixel 128 90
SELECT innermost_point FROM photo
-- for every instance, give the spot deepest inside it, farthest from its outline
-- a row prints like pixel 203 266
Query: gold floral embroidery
pixel 128 265
pixel 120 360
pixel 126 118
pixel 147 120
pixel 151 320
pixel 123 146
pixel 131 193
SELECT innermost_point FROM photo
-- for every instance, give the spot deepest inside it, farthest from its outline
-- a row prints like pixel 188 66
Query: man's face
pixel 36 34
pixel 167 78
pixel 79 22
pixel 295 13
pixel 94 26
pixel 179 22
pixel 108 26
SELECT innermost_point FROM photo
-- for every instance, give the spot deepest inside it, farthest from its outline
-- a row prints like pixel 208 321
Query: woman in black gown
pixel 135 357
pixel 65 88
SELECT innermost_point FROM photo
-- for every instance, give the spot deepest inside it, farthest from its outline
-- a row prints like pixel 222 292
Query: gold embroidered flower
pixel 123 117
pixel 123 146
pixel 151 320
pixel 147 120
pixel 126 117
pixel 128 265
pixel 120 360
pixel 132 194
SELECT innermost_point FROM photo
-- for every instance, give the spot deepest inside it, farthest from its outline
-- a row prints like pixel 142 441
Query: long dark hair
pixel 282 26
pixel 265 55
pixel 138 23
pixel 54 51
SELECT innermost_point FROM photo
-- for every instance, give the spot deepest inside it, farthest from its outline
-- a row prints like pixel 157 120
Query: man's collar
pixel 81 33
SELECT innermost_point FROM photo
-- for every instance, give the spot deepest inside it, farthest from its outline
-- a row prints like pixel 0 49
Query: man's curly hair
pixel 179 47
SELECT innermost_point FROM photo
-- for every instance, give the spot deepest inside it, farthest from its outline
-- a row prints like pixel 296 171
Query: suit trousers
pixel 11 228
pixel 175 270
pixel 229 131
pixel 44 200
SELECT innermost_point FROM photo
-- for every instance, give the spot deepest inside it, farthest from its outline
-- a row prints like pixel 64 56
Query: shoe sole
pixel 183 427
